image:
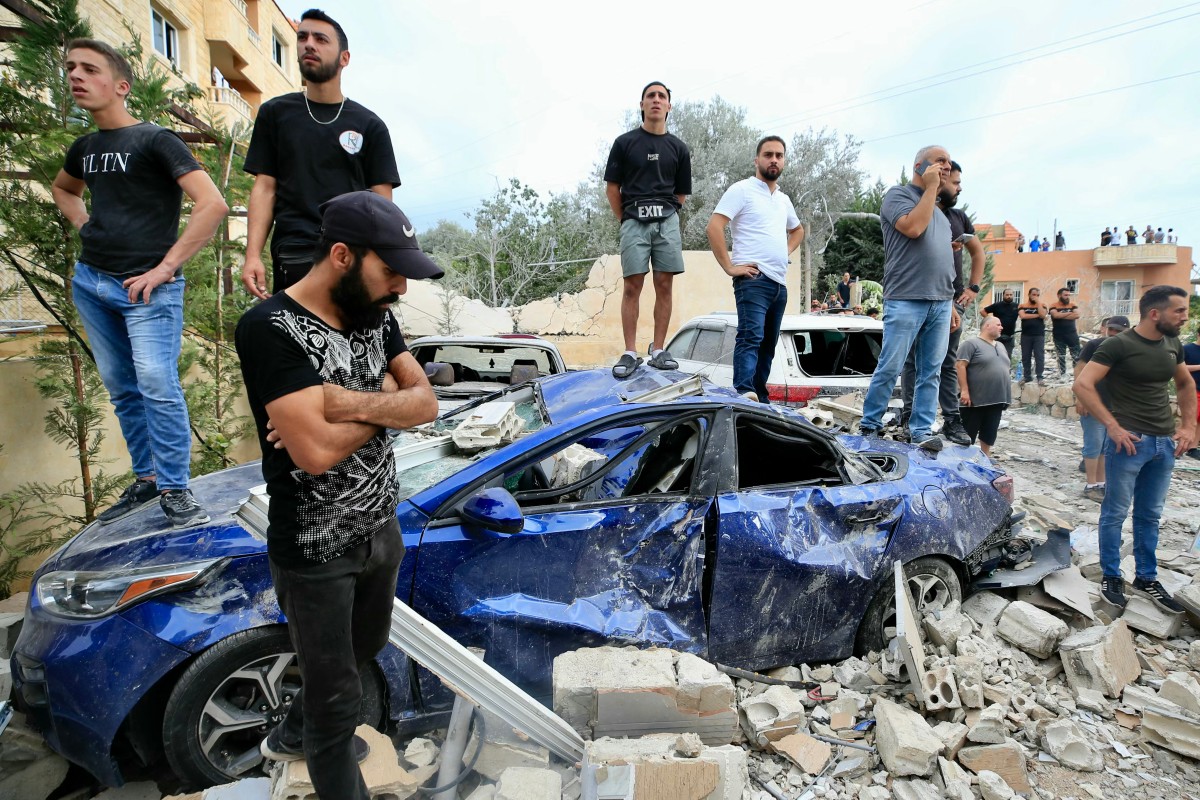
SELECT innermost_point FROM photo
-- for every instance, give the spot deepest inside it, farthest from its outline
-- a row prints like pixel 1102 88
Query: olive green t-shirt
pixel 1139 370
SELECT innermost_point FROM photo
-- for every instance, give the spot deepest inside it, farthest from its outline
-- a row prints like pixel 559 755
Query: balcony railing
pixel 227 95
pixel 1134 254
pixel 254 37
pixel 1125 308
pixel 240 5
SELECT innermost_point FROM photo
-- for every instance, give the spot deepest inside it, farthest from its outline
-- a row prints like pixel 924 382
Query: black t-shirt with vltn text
pixel 313 162
pixel 284 348
pixel 649 166
pixel 132 174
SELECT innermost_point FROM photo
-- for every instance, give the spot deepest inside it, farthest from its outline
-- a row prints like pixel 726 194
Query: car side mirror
pixel 494 510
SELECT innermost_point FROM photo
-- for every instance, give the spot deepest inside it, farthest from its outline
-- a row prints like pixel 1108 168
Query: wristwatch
pixel 974 287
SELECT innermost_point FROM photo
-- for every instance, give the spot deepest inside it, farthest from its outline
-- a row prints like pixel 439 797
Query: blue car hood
pixel 570 393
pixel 145 538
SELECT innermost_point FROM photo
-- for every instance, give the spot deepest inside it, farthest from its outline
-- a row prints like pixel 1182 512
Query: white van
pixel 817 354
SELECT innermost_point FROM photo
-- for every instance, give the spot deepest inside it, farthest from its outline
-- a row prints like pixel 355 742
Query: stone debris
pixel 381 771
pixel 420 752
pixel 529 783
pixel 772 715
pixel 503 747
pixel 1069 745
pixel 906 743
pixel 1035 631
pixel 1100 658
pixel 1143 615
pixel 993 787
pixel 1006 759
pixel 989 727
pixel 810 754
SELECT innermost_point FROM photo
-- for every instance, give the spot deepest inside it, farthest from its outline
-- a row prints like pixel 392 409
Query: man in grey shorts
pixel 648 178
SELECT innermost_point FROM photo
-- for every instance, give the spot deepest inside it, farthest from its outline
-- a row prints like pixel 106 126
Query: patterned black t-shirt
pixel 285 348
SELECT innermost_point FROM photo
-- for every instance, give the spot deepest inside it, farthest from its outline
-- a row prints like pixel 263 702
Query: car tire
pixel 220 708
pixel 931 581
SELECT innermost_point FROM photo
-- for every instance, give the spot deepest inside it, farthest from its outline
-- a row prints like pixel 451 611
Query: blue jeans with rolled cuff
pixel 1140 480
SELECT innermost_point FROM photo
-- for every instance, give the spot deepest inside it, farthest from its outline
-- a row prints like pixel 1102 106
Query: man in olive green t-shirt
pixel 1143 437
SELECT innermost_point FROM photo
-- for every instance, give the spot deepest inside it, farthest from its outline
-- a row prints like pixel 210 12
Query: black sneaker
pixel 275 750
pixel 1113 590
pixel 181 508
pixel 931 444
pixel 869 432
pixel 1154 591
pixel 137 494
pixel 955 432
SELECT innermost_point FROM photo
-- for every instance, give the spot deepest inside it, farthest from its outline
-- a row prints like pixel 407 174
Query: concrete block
pixel 1007 760
pixel 1181 689
pixel 915 790
pixel 702 688
pixel 1167 725
pixel 1067 742
pixel 993 787
pixel 381 771
pixel 985 608
pixel 1101 658
pixel 968 677
pixel 1194 655
pixel 662 766
pixel 734 771
pixel 944 626
pixel 580 675
pixel 487 426
pixel 421 752
pixel 810 754
pixel 854 673
pixel 941 692
pixel 906 743
pixel 770 716
pixel 528 783
pixel 1091 700
pixel 990 727
pixel 10 629
pixel 955 780
pixel 503 747
pixel 1189 598
pixel 36 781
pixel 1031 629
pixel 953 736
pixel 1143 615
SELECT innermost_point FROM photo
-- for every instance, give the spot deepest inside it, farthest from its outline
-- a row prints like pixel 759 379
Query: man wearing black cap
pixel 327 372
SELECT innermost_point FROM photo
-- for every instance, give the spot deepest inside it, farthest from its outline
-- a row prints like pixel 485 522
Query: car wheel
pixel 931 582
pixel 231 696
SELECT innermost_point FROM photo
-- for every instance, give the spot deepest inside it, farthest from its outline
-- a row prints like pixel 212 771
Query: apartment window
pixel 1116 297
pixel 278 49
pixel 165 36
pixel 1073 285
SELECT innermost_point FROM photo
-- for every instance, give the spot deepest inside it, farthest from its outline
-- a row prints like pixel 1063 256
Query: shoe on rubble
pixel 181 508
pixel 1154 591
pixel 1113 589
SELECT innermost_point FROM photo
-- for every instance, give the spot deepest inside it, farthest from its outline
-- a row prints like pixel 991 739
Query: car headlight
pixel 87 595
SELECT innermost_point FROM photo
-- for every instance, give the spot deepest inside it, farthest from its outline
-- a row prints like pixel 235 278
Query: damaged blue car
pixel 656 511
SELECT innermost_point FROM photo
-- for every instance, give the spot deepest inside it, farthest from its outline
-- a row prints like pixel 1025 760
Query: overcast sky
pixel 1076 111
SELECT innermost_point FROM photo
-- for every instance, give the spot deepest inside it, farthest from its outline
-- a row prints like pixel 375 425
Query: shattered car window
pixel 772 455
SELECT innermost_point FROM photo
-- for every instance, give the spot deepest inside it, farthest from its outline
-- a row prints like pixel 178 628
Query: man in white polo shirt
pixel 765 231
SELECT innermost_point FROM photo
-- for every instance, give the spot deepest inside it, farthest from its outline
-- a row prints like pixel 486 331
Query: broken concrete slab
pixel 953 736
pixel 1141 614
pixel 1194 655
pixel 1067 742
pixel 1007 760
pixel 985 608
pixel 993 787
pixel 421 752
pixel 1031 629
pixel 968 677
pixel 381 771
pixel 906 743
pixel 1183 690
pixel 702 688
pixel 245 789
pixel 529 783
pixel 503 747
pixel 915 790
pixel 580 675
pixel 944 626
pixel 810 754
pixel 772 715
pixel 1189 598
pixel 734 772
pixel 990 726
pixel 1069 587
pixel 1167 725
pixel 956 781
pixel 662 765
pixel 1102 658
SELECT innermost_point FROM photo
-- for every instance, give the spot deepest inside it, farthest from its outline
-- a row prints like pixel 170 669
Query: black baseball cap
pixel 370 220
pixel 1118 322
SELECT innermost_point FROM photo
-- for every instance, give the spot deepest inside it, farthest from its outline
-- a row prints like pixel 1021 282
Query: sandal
pixel 625 366
pixel 663 360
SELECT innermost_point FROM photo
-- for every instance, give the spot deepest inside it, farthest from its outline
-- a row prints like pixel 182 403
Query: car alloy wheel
pixel 932 582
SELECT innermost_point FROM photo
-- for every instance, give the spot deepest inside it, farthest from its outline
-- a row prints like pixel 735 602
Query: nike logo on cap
pixel 409 232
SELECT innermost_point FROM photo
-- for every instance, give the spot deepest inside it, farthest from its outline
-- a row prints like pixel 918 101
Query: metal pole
pixel 455 746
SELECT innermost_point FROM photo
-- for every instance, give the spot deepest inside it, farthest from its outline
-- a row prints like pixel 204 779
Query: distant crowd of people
pixel 838 302
pixel 1041 245
pixel 1111 237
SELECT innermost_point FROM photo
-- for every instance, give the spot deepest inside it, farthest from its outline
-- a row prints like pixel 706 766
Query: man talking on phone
pixel 918 292
pixel 962 234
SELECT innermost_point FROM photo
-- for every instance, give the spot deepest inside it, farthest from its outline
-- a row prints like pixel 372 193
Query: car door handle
pixel 866 516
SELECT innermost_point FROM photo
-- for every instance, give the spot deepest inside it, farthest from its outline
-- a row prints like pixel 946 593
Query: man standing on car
pixel 647 180
pixel 765 232
pixel 962 233
pixel 918 292
pixel 306 148
pixel 128 284
pixel 1006 311
pixel 1143 439
pixel 327 373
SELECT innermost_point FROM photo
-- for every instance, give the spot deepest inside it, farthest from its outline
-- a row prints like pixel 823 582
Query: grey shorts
pixel 644 242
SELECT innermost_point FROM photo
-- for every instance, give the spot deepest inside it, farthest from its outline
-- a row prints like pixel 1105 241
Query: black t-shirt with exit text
pixel 649 166
pixel 133 176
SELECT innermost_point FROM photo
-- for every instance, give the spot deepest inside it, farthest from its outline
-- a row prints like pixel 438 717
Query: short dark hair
pixel 955 166
pixel 318 14
pixel 1156 298
pixel 765 139
pixel 1029 292
pixel 324 246
pixel 1064 289
pixel 646 88
pixel 115 60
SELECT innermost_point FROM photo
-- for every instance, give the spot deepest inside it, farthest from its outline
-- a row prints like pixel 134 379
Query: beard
pixel 770 173
pixel 360 312
pixel 1166 328
pixel 317 73
pixel 947 200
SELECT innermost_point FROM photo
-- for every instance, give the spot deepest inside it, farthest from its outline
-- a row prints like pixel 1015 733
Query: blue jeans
pixel 1095 436
pixel 1141 479
pixel 760 303
pixel 908 324
pixel 137 353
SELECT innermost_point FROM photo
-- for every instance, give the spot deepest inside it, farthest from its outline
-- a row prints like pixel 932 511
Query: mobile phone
pixel 965 237
pixel 924 165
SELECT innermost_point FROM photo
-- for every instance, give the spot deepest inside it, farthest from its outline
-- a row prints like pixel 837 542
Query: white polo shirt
pixel 759 220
